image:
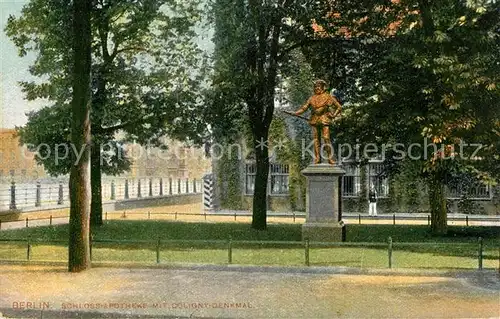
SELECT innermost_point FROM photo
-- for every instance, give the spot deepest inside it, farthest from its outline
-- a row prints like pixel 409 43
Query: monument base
pixel 324 232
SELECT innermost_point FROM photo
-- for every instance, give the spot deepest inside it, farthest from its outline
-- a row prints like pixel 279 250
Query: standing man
pixel 372 201
pixel 324 109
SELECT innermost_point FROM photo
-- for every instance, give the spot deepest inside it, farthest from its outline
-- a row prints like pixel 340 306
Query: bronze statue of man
pixel 324 109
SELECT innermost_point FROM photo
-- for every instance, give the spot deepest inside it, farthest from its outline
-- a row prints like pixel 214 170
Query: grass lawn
pixel 209 241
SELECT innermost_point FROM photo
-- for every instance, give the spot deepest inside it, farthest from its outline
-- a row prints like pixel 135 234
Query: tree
pixel 433 76
pixel 146 78
pixel 253 40
pixel 79 228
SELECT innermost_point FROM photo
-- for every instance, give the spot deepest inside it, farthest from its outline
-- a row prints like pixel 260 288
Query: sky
pixel 13 106
pixel 13 69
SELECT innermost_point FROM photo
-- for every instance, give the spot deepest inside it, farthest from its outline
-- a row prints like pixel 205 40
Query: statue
pixel 324 109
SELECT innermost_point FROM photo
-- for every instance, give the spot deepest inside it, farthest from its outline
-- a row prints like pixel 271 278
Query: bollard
pixel 27 223
pixel 175 215
pixel 480 253
pixel 28 253
pixel 161 186
pixel 234 216
pixel 12 195
pixel 306 252
pixel 389 252
pixel 50 220
pixel 466 220
pixel 394 219
pixel 38 196
pixel 106 216
pixel 294 217
pixel 229 251
pixel 359 219
pixel 149 215
pixel 205 213
pixel 158 251
pixel 60 199
pixel 113 192
pixel 428 220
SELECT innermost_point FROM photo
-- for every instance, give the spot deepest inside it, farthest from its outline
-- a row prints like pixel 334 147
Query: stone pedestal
pixel 323 203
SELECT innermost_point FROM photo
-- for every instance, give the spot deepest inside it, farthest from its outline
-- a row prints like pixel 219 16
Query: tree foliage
pixel 146 75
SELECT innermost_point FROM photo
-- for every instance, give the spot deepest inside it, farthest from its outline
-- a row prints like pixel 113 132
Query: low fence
pixel 25 196
pixel 377 255
pixel 393 219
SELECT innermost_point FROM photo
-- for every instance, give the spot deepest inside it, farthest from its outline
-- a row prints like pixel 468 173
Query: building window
pixel 351 182
pixel 250 171
pixel 279 178
pixel 377 179
pixel 472 191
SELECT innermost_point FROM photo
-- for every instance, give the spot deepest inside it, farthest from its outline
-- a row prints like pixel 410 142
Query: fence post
pixel 150 187
pixel 91 242
pixel 175 215
pixel 113 194
pixel 139 195
pixel 480 253
pixel 27 222
pixel 126 189
pixel 60 200
pixel 50 220
pixel 293 217
pixel 394 219
pixel 158 251
pixel 178 186
pixel 389 252
pixel 466 220
pixel 170 186
pixel 38 196
pixel 234 216
pixel 28 253
pixel 149 215
pixel 106 216
pixel 306 252
pixel 229 251
pixel 12 195
pixel 161 186
pixel 194 185
pixel 428 220
pixel 359 219
pixel 205 213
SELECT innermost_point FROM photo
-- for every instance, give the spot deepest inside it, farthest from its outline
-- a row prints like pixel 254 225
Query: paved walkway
pixel 243 293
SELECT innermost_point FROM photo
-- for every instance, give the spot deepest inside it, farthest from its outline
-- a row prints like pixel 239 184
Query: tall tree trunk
pixel 259 215
pixel 437 203
pixel 79 183
pixel 95 182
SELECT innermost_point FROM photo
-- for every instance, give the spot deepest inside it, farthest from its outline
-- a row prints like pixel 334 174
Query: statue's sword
pixel 293 114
